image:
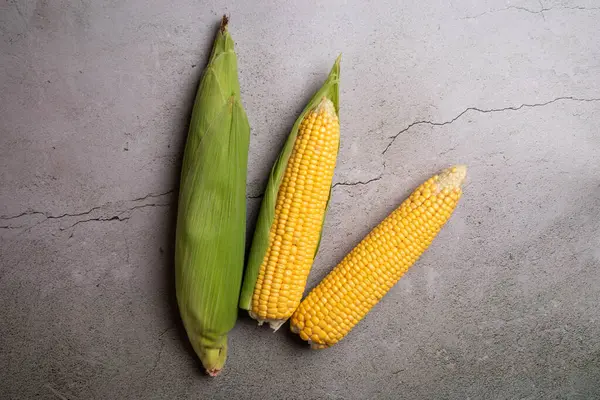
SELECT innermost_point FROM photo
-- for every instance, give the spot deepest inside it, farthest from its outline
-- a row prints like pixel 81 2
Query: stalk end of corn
pixel 274 324
pixel 452 177
pixel 326 107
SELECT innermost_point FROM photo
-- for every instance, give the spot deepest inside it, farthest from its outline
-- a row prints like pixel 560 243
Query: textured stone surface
pixel 95 97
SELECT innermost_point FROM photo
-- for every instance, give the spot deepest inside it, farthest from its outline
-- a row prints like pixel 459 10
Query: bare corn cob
pixel 283 250
pixel 370 270
pixel 211 217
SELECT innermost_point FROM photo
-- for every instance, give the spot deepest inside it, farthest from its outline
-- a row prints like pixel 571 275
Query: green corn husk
pixel 260 242
pixel 211 220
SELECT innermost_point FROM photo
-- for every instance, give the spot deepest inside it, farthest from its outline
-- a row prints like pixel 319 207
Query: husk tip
pixel 335 70
pixel 224 22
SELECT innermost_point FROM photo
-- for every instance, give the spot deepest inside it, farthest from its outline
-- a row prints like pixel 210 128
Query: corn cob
pixel 370 270
pixel 211 220
pixel 293 209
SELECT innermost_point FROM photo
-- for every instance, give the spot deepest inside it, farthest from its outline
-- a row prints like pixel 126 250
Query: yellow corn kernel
pixel 360 280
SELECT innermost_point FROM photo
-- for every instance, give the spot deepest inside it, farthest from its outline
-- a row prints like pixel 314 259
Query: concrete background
pixel 95 100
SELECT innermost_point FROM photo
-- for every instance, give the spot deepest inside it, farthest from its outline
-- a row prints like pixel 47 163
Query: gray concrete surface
pixel 95 99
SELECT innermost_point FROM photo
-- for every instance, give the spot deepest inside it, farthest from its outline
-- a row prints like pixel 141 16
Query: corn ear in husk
pixel 289 226
pixel 211 218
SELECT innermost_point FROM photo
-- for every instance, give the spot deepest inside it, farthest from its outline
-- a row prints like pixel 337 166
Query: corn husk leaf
pixel 211 220
pixel 260 242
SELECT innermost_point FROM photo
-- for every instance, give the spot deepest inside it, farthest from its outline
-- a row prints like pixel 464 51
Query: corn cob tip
pixel 327 107
pixel 452 177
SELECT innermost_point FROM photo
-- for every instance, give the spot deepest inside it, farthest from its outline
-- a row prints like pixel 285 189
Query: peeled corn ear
pixel 211 218
pixel 289 227
pixel 366 274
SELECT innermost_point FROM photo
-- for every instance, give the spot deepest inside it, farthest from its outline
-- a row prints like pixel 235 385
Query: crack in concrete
pixel 116 217
pixel 483 111
pixel 447 151
pixel 12 227
pixel 529 10
pixel 157 360
pixel 25 22
pixel 56 393
pixel 358 182
pixel 261 195
pixel 26 213
pixel 165 331
pixel 580 8
pixel 119 216
pixel 127 259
